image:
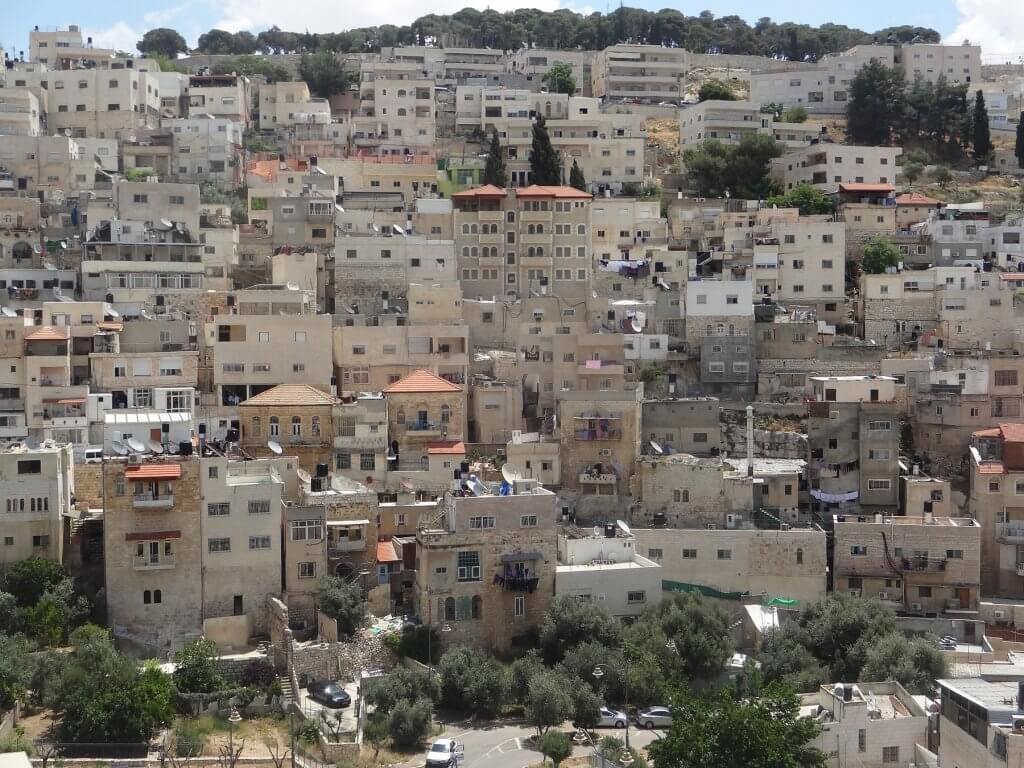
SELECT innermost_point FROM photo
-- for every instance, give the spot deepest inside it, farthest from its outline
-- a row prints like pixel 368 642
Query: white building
pixel 604 567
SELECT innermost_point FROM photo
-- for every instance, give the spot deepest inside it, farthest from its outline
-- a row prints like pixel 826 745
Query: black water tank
pixel 322 470
pixel 609 530
pixel 464 466
pixel 185 448
pixel 847 693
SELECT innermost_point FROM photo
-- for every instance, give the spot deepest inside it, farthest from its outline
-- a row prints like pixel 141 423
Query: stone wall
pixel 88 484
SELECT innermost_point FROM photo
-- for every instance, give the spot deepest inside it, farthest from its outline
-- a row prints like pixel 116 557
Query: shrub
pixel 189 738
pixel 259 673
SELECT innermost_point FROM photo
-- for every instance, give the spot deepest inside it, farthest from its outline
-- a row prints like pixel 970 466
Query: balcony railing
pixel 923 564
pixel 517 581
pixel 345 545
pixel 423 426
pixel 146 563
pixel 1020 569
pixel 1010 532
pixel 592 435
pixel 592 477
pixel 152 501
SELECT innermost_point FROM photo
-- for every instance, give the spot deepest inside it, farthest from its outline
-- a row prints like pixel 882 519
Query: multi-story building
pixel 62 48
pixel 724 121
pixel 205 149
pixel 298 417
pixel 38 484
pixel 49 163
pixel 486 563
pixel 997 482
pixel 689 425
pixel 922 565
pixel 305 558
pixel 20 113
pixel 978 722
pixel 534 63
pixel 224 96
pixel 955 63
pixel 604 567
pixel 54 397
pixel 523 241
pixel 649 73
pixel 853 443
pixel 284 104
pixel 361 437
pixel 826 166
pixel 396 109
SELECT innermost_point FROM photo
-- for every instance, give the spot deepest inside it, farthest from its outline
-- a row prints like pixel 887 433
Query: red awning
pixel 153 472
pixel 148 535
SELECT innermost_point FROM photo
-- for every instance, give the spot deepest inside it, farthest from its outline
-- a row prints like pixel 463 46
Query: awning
pixel 147 417
pixel 386 552
pixel 517 556
pixel 64 400
pixel 343 523
pixel 153 472
pixel 682 586
pixel 152 535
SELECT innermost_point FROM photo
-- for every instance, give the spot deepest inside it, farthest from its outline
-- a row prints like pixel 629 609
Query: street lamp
pixel 582 737
pixel 599 673
pixel 233 719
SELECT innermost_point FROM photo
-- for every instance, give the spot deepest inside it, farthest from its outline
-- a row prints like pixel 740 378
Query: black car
pixel 331 694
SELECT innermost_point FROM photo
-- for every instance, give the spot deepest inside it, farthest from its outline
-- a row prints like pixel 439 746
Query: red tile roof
pixel 48 333
pixel 153 472
pixel 386 552
pixel 564 192
pixel 991 468
pixel 487 190
pixel 1012 433
pixel 421 380
pixel 451 447
pixel 916 198
pixel 1012 277
pixel 994 432
pixel 862 187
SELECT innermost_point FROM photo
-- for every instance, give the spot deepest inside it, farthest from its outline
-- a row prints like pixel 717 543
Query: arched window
pixel 686 496
pixel 400 416
pixel 446 413
pixel 275 426
pixel 465 229
pixel 472 228
pixel 799 556
pixel 473 251
pixel 157 596
pixel 424 463
pixel 314 426
pixel 547 109
pixel 540 250
pixel 402 112
pixel 21 250
pixel 465 251
pixel 478 607
pixel 296 426
pixel 401 92
pixel 510 217
pixel 449 609
pixel 147 597
pixel 254 426
pixel 540 229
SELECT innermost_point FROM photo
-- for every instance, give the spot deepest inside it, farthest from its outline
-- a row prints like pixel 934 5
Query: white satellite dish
pixel 338 208
pixel 636 325
pixel 8 312
pixel 657 448
pixel 137 445
pixel 119 448
pixel 275 447
pixel 397 229
pixel 303 475
pixel 155 447
pixel 166 223
pixel 623 527
pixel 511 473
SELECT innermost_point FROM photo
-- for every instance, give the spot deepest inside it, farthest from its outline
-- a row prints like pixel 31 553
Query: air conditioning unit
pixel 916 607
pixel 954 604
pixel 883 595
pixel 606 451
pixel 133 458
pixel 731 521
pixel 998 614
pixel 601 597
pixel 712 526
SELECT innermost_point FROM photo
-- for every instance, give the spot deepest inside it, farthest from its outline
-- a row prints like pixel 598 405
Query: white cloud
pixel 334 16
pixel 996 25
pixel 121 36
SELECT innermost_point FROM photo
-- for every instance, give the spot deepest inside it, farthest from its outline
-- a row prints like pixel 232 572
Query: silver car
pixel 611 718
pixel 654 717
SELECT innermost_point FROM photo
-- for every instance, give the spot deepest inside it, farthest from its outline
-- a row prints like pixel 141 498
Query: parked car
pixel 331 694
pixel 611 718
pixel 445 753
pixel 654 717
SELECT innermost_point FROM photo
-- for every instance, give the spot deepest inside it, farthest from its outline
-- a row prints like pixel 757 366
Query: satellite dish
pixel 597 530
pixel 397 229
pixel 166 223
pixel 274 446
pixel 636 325
pixel 119 448
pixel 623 527
pixel 658 450
pixel 8 312
pixel 375 228
pixel 137 445
pixel 511 473
pixel 155 447
pixel 67 133
pixel 303 475
pixel 338 208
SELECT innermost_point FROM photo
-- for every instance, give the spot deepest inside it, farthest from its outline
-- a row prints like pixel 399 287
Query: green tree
pixel 559 79
pixel 342 602
pixel 545 163
pixel 521 672
pixel 555 746
pixel 810 200
pixel 569 622
pixel 495 171
pixel 876 104
pixel 196 667
pixel 795 115
pixel 28 579
pixel 548 702
pixel 249 65
pixel 1018 144
pixel 216 41
pixel 409 722
pixel 376 732
pixel 717 729
pixel 472 681
pixel 162 42
pixel 401 684
pixel 915 664
pixel 879 255
pixel 323 73
pixel 586 705
pixel 942 176
pixel 10 620
pixel 576 177
pixel 15 669
pixel 715 90
pixel 699 630
pixel 912 172
pixel 982 138
pixel 742 170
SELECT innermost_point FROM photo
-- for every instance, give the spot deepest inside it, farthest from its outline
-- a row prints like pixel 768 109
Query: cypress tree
pixel 982 137
pixel 1018 147
pixel 494 171
pixel 545 164
pixel 576 177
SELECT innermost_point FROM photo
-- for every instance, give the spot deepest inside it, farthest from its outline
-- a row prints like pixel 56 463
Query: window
pixel 367 462
pixel 307 570
pixel 878 485
pixel 220 544
pixel 259 507
pixel 519 609
pixel 890 754
pixel 725 554
pixel 655 554
pixel 259 542
pixel 40 541
pixel 862 740
pixel 219 509
pixel 879 426
pixel 29 467
pixel 993 486
pixel 636 596
pixel 296 426
pixel 343 461
pixel 275 426
pixel 858 550
pixel 689 554
pixel 479 523
pixel 307 530
pixel 1006 378
pixel 527 521
pixel 468 566
pixel 954 554
pixel 924 591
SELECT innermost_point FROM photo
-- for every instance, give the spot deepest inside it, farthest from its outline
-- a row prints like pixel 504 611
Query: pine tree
pixel 495 172
pixel 982 137
pixel 1018 147
pixel 576 177
pixel 545 164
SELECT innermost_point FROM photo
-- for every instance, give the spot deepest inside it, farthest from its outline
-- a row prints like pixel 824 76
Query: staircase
pixel 287 694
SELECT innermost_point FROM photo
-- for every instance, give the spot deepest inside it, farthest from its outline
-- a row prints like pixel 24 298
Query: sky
pixel 998 25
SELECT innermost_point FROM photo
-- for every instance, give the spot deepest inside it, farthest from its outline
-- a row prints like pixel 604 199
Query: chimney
pixel 750 441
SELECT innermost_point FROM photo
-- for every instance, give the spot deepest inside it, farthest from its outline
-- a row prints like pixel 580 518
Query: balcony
pixel 340 546
pixel 518 581
pixel 601 367
pixel 498 216
pixel 425 428
pixel 152 501
pixel 1020 569
pixel 1010 533
pixel 600 479
pixel 12 404
pixel 923 565
pixel 598 435
pixel 535 216
pixel 145 563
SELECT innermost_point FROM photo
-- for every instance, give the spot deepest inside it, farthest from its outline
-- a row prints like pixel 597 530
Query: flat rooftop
pixel 948 522
pixel 628 565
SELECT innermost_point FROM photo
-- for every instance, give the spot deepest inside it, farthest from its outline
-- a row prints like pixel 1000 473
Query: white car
pixel 654 717
pixel 610 718
pixel 444 753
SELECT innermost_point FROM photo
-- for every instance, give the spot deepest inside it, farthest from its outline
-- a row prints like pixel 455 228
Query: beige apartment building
pixel 684 491
pixel 530 240
pixel 60 48
pixel 724 121
pixel 54 397
pixel 38 484
pixel 298 417
pixel 361 437
pixel 153 551
pixel 284 104
pixel 49 163
pixel 997 484
pixel 486 564
pixel 426 420
pixel 825 166
pixel 20 113
pixel 740 562
pixel 396 109
pixel 226 96
pixel 13 386
pixel 923 565
pixel 305 558
pixel 956 63
pixel 603 566
pixel 534 63
pixel 977 722
pixel 649 73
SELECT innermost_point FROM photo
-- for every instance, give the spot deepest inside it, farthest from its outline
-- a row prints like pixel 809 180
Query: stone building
pixel 298 417
pixel 688 425
pixel 997 484
pixel 37 485
pixel 305 558
pixel 425 413
pixel 683 491
pixel 977 718
pixel 486 564
pixel 923 565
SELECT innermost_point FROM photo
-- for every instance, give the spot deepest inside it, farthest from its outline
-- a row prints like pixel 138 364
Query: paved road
pixel 508 745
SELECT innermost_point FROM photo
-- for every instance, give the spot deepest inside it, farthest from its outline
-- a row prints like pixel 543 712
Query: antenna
pixel 274 446
pixel 119 448
pixel 511 473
